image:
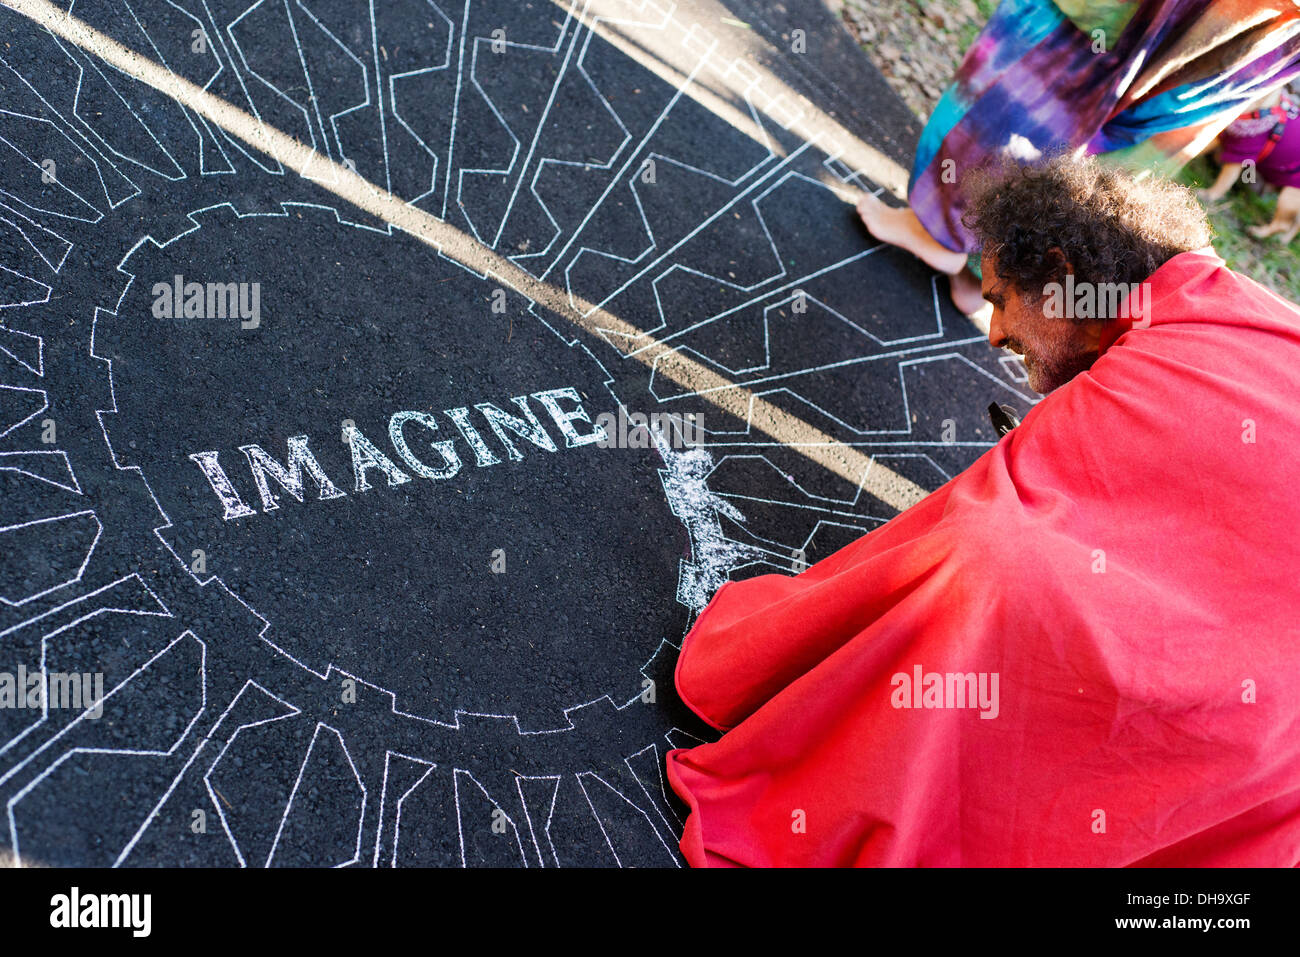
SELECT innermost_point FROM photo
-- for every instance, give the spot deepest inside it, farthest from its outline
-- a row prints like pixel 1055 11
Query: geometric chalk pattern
pixel 345 681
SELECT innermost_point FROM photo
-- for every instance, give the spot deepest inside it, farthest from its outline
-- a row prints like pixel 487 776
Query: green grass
pixel 1266 261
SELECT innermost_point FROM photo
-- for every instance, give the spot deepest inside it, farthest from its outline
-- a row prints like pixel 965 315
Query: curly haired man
pixel 1079 651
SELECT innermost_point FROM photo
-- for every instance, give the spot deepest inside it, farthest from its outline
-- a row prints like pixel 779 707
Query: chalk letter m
pixel 288 478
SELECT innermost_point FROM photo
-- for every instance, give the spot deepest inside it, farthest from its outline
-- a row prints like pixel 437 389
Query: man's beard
pixel 1050 371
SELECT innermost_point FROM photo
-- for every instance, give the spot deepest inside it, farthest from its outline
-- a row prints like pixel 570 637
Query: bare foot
pixel 968 299
pixel 1263 232
pixel 900 227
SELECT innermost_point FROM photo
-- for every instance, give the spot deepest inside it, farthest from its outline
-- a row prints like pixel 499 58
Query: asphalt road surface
pixel 368 549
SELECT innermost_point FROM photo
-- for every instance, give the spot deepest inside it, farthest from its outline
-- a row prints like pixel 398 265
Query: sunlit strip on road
pixel 674 48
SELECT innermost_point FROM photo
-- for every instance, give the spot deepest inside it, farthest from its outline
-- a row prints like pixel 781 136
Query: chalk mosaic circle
pixel 394 465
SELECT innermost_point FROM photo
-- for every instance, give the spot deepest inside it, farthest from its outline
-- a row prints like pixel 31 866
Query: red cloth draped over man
pixel 1083 650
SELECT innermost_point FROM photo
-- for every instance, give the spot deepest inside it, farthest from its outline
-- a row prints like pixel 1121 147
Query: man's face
pixel 1054 350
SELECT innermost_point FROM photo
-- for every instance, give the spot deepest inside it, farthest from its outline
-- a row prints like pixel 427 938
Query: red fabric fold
pixel 1126 562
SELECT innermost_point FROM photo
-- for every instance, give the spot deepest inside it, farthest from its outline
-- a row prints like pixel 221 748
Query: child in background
pixel 1266 142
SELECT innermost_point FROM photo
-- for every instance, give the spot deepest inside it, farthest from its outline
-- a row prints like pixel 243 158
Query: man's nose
pixel 997 335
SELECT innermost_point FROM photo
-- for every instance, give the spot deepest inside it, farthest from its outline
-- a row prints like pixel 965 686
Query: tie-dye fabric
pixel 1045 76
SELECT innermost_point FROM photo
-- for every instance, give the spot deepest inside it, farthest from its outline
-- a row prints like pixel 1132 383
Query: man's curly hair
pixel 1109 226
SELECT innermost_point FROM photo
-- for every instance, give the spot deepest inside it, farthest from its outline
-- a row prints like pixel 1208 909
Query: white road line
pixel 844 461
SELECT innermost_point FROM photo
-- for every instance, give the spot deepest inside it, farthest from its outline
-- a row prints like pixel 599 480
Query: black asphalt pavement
pixel 358 577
